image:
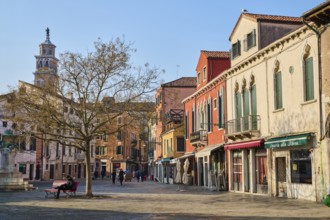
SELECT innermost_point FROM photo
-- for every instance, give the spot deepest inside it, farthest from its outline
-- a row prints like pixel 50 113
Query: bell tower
pixel 46 64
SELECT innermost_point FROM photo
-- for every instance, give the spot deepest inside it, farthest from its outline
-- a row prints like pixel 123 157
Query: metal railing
pixel 198 136
pixel 243 124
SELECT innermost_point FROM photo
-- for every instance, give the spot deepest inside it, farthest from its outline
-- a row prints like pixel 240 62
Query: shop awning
pixel 288 141
pixel 165 160
pixel 207 150
pixel 186 156
pixel 241 145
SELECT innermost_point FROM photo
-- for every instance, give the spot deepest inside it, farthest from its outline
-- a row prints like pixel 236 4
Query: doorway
pixel 281 189
pixel 51 171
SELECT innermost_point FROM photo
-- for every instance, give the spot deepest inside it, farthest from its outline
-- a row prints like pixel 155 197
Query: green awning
pixel 288 141
pixel 166 160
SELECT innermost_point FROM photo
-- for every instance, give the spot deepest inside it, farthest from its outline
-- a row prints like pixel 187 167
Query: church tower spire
pixel 46 64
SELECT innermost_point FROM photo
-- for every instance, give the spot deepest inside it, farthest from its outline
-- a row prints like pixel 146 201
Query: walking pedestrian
pixel 142 175
pixel 96 174
pixel 121 176
pixel 103 173
pixel 137 175
pixel 113 177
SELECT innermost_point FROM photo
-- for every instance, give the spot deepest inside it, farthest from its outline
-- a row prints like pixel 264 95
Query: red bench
pixel 56 183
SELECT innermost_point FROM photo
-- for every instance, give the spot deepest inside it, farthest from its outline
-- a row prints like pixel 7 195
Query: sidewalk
pixel 152 200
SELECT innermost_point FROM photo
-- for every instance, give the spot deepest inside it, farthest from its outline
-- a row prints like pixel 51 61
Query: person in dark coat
pixel 66 186
pixel 96 174
pixel 113 177
pixel 137 175
pixel 121 176
pixel 142 175
pixel 103 173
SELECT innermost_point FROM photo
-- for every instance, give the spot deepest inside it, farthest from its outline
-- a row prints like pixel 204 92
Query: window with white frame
pixel 198 78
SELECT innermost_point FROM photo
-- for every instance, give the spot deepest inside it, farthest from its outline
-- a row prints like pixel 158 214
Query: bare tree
pixel 72 111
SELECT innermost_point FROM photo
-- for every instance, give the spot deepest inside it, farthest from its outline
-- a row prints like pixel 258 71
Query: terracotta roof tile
pixel 216 54
pixel 264 17
pixel 181 82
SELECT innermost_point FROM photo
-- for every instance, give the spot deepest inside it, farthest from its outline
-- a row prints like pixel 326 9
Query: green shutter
pixel 238 111
pixel 309 79
pixel 254 107
pixel 278 90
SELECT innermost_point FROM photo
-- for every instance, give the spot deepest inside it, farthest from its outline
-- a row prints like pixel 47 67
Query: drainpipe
pixel 318 35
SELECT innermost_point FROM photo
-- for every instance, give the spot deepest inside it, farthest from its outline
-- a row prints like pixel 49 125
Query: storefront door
pixel 237 170
pixel 281 181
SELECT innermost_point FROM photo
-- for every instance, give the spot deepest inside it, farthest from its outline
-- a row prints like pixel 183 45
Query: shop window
pixel 301 167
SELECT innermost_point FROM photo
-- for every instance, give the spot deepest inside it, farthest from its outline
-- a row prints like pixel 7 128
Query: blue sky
pixel 167 34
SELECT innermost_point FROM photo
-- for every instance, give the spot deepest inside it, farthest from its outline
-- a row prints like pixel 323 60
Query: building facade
pixel 204 121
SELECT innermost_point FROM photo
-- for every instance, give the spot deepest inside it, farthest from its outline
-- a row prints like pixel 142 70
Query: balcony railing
pixel 246 126
pixel 198 138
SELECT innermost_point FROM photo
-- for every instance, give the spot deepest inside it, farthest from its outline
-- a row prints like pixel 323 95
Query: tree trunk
pixel 89 192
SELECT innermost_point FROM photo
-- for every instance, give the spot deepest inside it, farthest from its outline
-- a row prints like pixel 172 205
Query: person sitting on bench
pixel 66 186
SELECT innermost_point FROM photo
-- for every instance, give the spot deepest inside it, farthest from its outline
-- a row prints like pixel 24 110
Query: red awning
pixel 249 144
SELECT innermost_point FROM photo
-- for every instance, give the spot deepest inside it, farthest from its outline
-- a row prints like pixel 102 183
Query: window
pixel 254 107
pixel 301 167
pixel 120 135
pixel 57 149
pixel 193 120
pixel 215 104
pixel 4 124
pixel 63 150
pixel 119 150
pixel 238 111
pixel 246 109
pixel 63 168
pixel 308 79
pixel 180 144
pixel 236 50
pixel 22 168
pixel 221 116
pixel 47 152
pixel 186 125
pixel 33 143
pixel 204 73
pixel 101 150
pixel 209 116
pixel 250 40
pixel 198 78
pixel 119 120
pixel 278 90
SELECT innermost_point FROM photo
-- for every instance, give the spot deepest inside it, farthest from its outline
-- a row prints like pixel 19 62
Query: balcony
pixel 244 127
pixel 198 138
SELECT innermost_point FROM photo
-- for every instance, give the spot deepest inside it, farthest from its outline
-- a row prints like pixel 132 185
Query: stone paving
pixel 154 201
